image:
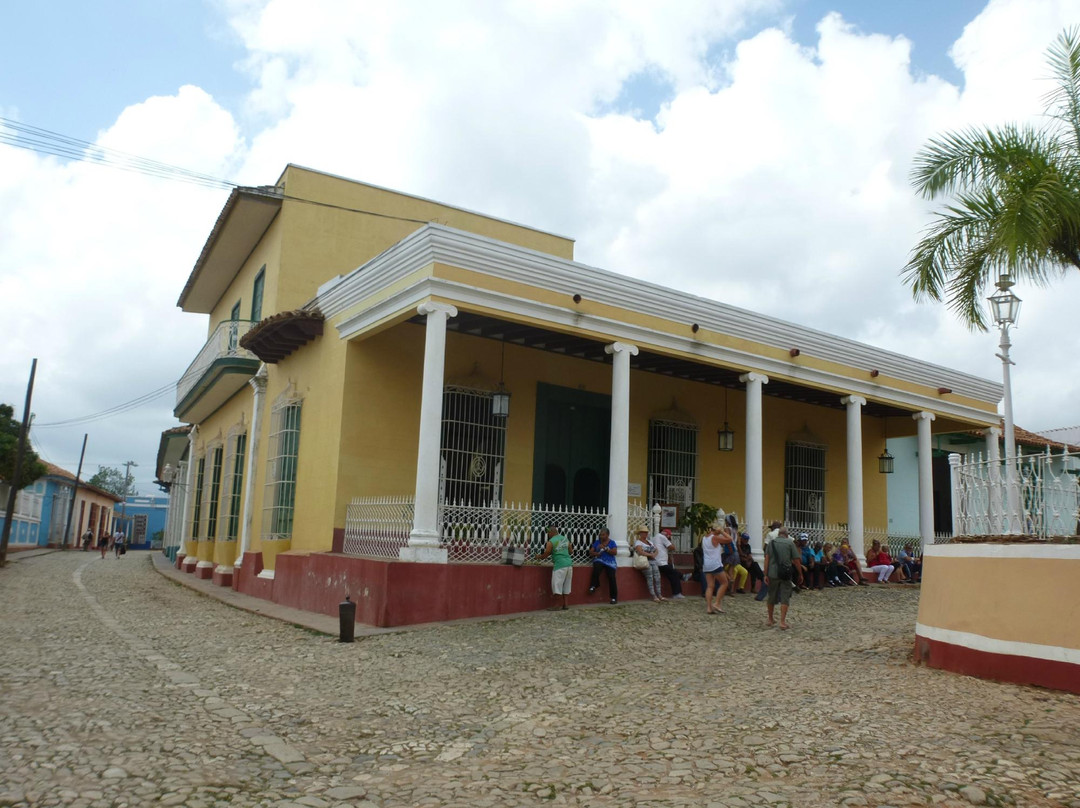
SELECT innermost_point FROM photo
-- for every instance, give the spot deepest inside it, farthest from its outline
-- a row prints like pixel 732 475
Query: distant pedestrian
pixel 782 562
pixel 603 552
pixel 558 549
pixel 119 543
pixel 87 538
pixel 103 543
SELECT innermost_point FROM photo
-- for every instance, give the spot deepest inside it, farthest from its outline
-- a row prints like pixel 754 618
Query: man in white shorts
pixel 558 548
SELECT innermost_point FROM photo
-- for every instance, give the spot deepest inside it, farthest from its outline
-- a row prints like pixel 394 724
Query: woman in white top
pixel 716 580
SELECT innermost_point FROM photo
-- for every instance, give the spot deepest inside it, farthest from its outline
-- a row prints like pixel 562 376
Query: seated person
pixel 851 564
pixel 879 562
pixel 911 565
pixel 737 573
pixel 811 557
pixel 746 559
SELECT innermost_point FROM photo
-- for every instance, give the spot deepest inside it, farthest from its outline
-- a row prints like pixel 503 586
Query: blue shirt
pixel 809 555
pixel 605 558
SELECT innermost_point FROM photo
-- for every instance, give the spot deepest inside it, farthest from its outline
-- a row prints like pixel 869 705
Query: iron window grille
pixel 236 450
pixel 280 496
pixel 672 468
pixel 473 448
pixel 804 483
pixel 196 500
pixel 212 493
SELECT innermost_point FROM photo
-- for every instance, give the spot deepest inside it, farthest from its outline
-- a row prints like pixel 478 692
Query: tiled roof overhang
pixel 278 336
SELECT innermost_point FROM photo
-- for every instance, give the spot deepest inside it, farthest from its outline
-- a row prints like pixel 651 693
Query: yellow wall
pixel 966 594
pixel 265 254
pixel 315 373
pixel 214 431
pixel 381 415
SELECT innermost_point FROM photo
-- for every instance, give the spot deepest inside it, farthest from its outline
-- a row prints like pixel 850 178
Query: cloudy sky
pixel 754 151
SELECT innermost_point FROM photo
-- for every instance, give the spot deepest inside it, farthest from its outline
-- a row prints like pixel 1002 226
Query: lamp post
pixel 1005 307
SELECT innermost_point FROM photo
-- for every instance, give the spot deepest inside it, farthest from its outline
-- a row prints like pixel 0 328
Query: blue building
pixel 142 517
pixel 41 510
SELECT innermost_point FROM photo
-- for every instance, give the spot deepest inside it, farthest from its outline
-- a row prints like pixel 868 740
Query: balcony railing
pixel 224 343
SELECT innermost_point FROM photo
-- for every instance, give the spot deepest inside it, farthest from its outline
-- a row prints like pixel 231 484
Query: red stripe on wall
pixel 1001 667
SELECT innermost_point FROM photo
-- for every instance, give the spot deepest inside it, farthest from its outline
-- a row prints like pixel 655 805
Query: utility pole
pixel 127 489
pixel 74 494
pixel 23 429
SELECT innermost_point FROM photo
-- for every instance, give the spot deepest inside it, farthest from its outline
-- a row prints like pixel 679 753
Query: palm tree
pixel 1015 206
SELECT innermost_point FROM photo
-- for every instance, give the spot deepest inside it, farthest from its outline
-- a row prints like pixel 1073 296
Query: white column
pixel 854 406
pixel 926 478
pixel 993 462
pixel 258 385
pixel 424 538
pixel 619 461
pixel 185 525
pixel 753 518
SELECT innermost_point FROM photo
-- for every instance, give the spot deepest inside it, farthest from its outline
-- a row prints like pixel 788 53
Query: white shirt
pixel 661 543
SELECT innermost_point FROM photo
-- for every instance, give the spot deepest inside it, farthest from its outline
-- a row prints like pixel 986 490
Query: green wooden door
pixel 573 436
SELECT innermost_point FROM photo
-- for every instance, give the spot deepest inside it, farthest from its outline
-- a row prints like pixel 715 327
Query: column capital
pixel 754 377
pixel 433 307
pixel 619 347
pixel 193 434
pixel 923 416
pixel 996 431
pixel 853 401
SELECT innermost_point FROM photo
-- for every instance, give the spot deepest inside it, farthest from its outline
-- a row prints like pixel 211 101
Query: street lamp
pixel 1005 307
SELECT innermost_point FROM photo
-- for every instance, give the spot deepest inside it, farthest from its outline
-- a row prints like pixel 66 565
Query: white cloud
pixel 775 180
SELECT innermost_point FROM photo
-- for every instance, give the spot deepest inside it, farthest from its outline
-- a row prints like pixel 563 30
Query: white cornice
pixel 439 244
pixel 615 331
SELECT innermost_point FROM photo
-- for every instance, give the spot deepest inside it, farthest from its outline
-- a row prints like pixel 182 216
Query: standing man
pixel 87 537
pixel 662 543
pixel 603 552
pixel 782 562
pixel 774 531
pixel 558 549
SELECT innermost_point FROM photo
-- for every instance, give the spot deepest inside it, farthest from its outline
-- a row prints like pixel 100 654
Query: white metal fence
pixel 1040 499
pixel 837 533
pixel 378 526
pixel 477 534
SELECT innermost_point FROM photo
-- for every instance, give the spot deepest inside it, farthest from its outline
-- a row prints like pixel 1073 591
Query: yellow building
pixel 403 382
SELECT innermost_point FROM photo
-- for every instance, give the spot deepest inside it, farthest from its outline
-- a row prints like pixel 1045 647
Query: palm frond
pixel 1063 102
pixel 970 158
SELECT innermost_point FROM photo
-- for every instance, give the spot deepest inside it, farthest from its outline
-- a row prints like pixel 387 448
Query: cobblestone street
pixel 120 688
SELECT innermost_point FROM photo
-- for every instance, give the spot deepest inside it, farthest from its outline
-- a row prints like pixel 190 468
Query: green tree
pixel 1015 207
pixel 112 480
pixel 32 467
pixel 699 518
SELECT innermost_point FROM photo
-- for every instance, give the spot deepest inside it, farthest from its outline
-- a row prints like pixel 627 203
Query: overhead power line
pixel 146 398
pixel 44 141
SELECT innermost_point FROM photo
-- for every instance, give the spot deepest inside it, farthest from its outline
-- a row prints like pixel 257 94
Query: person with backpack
pixel 782 563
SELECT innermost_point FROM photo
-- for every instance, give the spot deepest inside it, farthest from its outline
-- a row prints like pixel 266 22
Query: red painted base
pixel 1001 667
pixel 222 578
pixel 205 573
pixel 189 564
pixel 247 581
pixel 397 593
pixel 180 561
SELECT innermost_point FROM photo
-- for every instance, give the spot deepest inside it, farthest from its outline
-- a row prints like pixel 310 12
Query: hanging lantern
pixel 885 463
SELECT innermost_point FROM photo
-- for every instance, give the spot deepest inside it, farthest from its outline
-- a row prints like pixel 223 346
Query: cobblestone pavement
pixel 119 688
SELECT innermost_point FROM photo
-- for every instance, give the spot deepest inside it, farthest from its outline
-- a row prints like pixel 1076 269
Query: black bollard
pixel 347 616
